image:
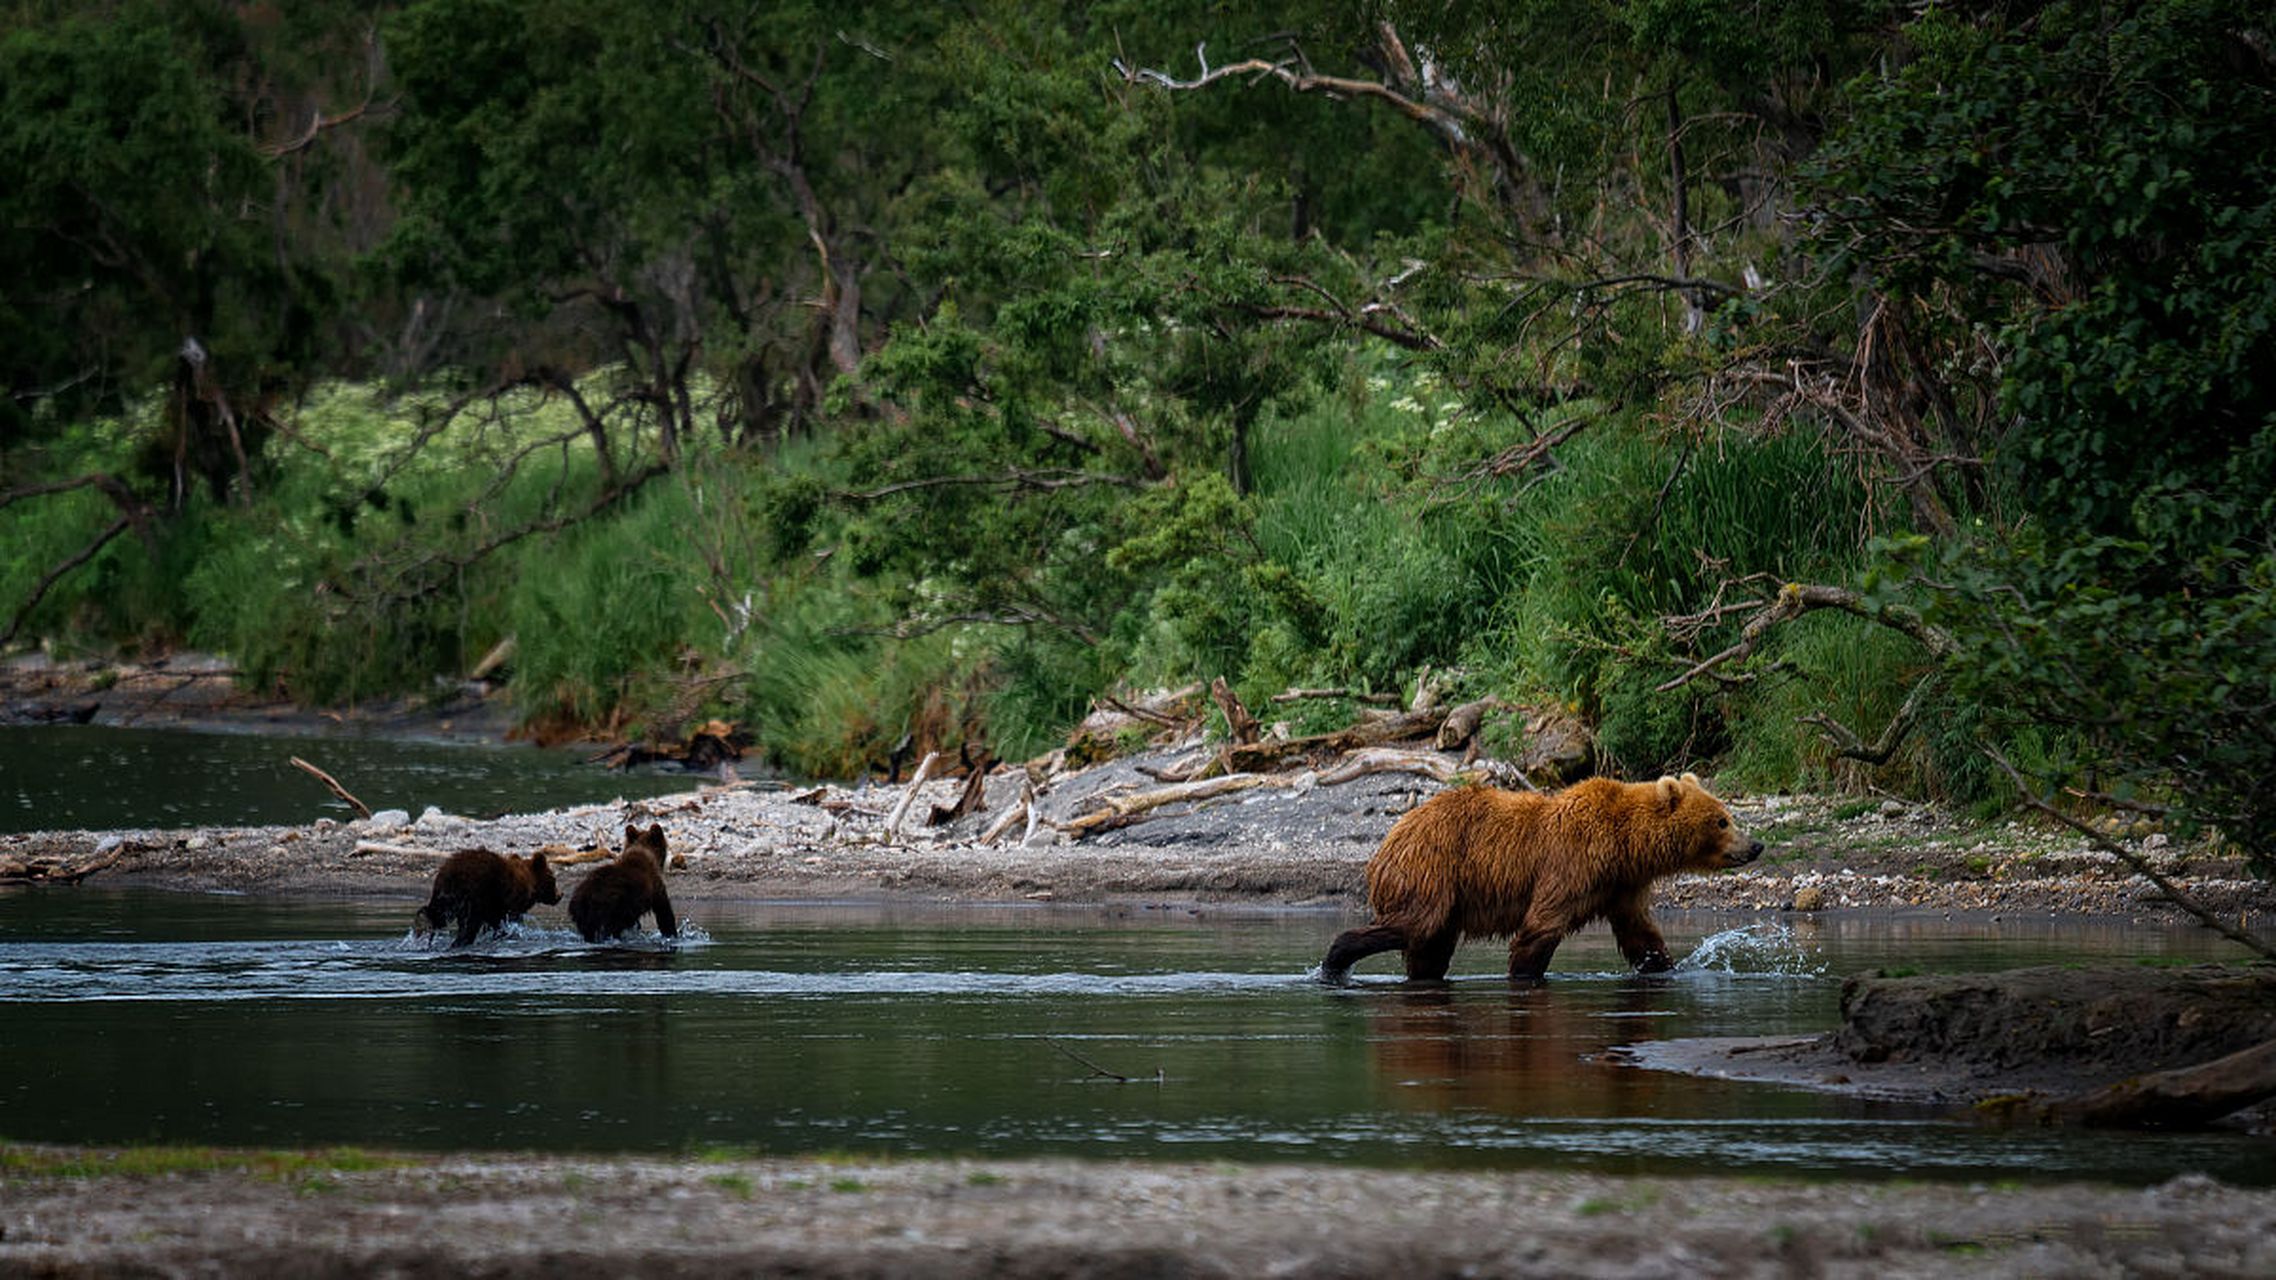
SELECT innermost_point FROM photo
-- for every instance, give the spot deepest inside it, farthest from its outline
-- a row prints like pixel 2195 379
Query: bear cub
pixel 612 899
pixel 481 890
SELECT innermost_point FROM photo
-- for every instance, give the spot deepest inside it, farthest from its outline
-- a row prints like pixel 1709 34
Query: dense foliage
pixel 910 371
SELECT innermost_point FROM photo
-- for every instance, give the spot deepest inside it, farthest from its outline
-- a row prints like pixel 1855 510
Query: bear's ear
pixel 656 834
pixel 1671 792
pixel 537 862
pixel 631 833
pixel 1692 780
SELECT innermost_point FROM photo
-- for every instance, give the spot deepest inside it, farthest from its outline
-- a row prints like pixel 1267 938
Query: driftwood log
pixel 1429 764
pixel 1122 808
pixel 1254 757
pixel 2183 1098
pixel 1240 726
pixel 916 783
pixel 44 871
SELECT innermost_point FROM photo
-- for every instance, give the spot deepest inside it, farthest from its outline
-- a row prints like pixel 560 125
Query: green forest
pixel 1828 393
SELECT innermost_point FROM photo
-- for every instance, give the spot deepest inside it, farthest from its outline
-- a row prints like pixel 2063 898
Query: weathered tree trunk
pixel 2184 1098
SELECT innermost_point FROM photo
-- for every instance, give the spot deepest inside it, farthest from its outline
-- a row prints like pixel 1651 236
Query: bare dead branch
pixel 55 574
pixel 1795 599
pixel 1018 479
pixel 2140 865
pixel 1848 746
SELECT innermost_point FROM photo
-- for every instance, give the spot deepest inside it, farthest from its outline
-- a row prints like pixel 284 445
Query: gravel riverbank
pixel 1297 842
pixel 556 1217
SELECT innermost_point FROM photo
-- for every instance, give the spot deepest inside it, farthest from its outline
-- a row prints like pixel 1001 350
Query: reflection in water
pixel 187 1018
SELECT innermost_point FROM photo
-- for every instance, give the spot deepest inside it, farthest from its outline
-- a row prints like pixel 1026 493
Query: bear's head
pixel 1709 838
pixel 542 888
pixel 650 842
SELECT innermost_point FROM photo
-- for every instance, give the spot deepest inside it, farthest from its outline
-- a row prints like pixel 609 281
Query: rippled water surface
pixel 145 1016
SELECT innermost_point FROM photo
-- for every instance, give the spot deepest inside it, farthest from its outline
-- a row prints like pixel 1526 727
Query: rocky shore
pixel 1298 842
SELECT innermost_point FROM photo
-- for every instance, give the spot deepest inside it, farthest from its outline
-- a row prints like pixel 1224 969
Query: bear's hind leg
pixel 1354 945
pixel 1429 958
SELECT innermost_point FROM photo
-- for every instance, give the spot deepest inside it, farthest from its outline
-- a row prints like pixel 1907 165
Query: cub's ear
pixel 537 862
pixel 1692 780
pixel 656 832
pixel 631 833
pixel 1671 792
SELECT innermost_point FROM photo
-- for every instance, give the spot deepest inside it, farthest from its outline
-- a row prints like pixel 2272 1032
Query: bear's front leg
pixel 1529 952
pixel 1639 938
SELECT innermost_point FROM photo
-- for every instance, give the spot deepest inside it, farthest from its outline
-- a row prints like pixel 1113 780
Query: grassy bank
pixel 780 588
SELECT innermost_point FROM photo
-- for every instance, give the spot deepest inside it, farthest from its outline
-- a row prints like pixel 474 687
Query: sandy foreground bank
pixel 1294 841
pixel 506 1216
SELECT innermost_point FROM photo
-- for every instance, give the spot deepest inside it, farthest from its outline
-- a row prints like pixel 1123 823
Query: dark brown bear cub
pixel 481 890
pixel 612 899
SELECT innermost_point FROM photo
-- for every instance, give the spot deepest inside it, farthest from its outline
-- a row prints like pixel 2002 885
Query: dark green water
pixel 64 778
pixel 180 1018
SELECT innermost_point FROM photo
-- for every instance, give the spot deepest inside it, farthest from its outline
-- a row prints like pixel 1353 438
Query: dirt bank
pixel 1964 1038
pixel 554 1217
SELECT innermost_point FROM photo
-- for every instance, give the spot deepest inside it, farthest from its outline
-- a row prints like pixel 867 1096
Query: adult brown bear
pixel 1484 863
pixel 612 899
pixel 481 890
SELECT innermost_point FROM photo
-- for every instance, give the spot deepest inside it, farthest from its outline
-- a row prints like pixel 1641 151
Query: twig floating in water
pixel 1096 1069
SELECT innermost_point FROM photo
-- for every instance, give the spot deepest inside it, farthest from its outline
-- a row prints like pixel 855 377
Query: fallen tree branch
pixel 1429 764
pixel 1240 726
pixel 1848 746
pixel 1119 810
pixel 362 809
pixel 1015 813
pixel 395 850
pixel 1379 699
pixel 41 871
pixel 901 810
pixel 1238 758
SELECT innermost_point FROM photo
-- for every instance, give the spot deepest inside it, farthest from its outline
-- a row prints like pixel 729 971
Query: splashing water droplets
pixel 1755 950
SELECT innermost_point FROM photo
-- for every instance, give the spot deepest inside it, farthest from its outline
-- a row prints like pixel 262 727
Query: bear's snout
pixel 1748 854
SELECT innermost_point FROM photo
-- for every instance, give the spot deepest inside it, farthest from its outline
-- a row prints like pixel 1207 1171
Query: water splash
pixel 1755 950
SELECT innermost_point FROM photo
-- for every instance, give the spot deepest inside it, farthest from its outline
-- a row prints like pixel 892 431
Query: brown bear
pixel 481 890
pixel 613 898
pixel 1481 862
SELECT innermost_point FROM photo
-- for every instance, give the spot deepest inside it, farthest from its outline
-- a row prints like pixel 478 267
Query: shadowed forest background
pixel 1824 393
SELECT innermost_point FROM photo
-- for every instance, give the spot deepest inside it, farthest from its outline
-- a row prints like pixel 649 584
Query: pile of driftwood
pixel 57 870
pixel 1423 737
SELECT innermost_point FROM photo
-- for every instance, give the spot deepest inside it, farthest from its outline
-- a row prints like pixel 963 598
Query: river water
pixel 65 778
pixel 142 1016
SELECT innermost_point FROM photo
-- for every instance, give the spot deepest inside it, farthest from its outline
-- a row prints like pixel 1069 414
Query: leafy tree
pixel 2084 194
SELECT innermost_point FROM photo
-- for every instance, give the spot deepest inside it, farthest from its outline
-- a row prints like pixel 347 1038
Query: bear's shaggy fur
pixel 1480 862
pixel 481 890
pixel 612 899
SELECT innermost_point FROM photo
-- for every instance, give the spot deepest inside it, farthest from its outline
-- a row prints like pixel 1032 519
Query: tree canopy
pixel 1810 389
